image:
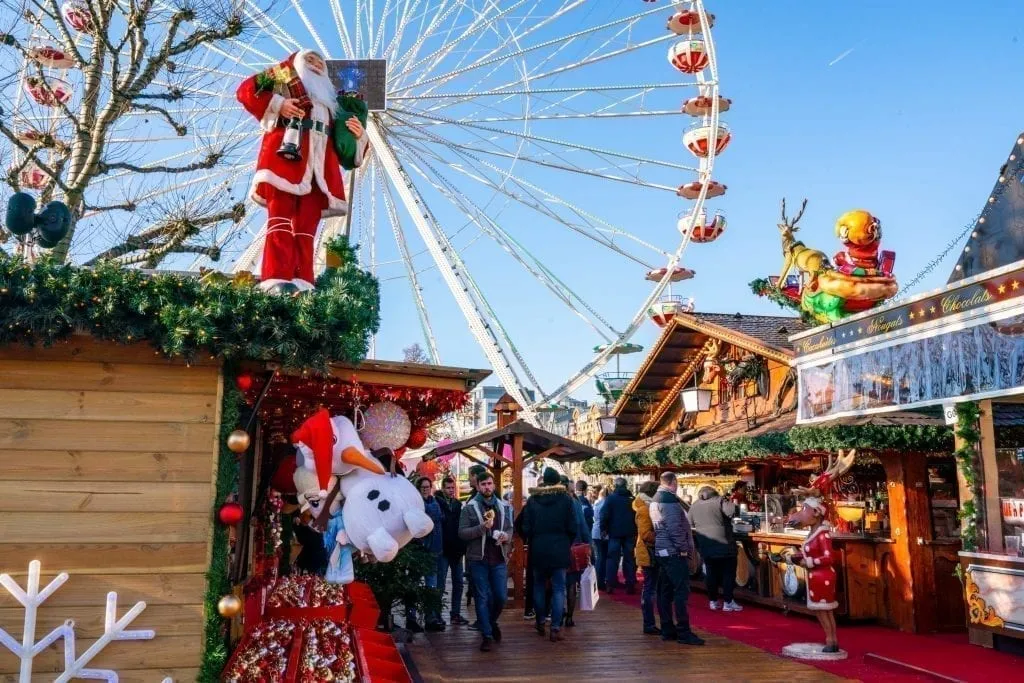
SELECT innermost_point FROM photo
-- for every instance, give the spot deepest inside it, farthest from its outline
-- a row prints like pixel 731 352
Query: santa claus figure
pixel 299 177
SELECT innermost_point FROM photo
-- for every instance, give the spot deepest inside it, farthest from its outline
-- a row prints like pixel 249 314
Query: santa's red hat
pixel 317 434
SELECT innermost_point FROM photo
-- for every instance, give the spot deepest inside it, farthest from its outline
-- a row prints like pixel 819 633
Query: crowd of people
pixel 567 528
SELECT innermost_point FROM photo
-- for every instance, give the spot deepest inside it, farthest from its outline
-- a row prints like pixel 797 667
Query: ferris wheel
pixel 509 135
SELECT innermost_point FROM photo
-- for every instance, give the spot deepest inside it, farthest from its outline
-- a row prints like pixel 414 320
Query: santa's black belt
pixel 305 124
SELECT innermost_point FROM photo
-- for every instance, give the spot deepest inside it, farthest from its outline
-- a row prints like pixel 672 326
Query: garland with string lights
pixel 794 442
pixel 218 583
pixel 45 302
pixel 967 415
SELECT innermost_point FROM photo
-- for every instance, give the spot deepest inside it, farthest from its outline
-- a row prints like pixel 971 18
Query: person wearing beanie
pixel 550 526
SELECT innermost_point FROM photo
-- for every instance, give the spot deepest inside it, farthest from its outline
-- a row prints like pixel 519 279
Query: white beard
pixel 318 86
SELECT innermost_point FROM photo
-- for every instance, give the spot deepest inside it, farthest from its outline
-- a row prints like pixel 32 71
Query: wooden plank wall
pixel 107 455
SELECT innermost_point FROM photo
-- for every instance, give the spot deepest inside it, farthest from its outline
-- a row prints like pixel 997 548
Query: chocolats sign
pixel 969 297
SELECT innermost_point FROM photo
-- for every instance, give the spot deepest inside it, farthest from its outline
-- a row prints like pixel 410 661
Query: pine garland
pixel 796 441
pixel 215 645
pixel 46 302
pixel 967 456
pixel 400 582
pixel 763 287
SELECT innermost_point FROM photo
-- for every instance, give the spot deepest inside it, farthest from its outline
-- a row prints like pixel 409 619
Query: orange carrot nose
pixel 353 456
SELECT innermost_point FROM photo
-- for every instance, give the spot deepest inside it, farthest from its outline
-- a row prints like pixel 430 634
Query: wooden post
pixel 507 411
pixel 992 532
pixel 518 554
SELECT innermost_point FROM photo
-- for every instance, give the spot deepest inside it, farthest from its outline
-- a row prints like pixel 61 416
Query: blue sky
pixel 905 108
pixel 912 124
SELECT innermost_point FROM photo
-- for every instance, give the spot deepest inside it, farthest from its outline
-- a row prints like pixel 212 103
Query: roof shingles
pixel 770 330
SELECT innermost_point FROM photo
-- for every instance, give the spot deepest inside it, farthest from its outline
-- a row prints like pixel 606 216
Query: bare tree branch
pixel 127 206
pixel 179 128
pixel 210 161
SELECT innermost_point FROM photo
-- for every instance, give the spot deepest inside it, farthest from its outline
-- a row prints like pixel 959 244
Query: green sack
pixel 345 144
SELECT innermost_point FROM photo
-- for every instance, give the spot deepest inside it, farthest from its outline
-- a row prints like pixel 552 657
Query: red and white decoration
pixel 692 190
pixel 703 231
pixel 263 656
pixel 30 137
pixel 76 13
pixel 32 177
pixel 821 575
pixel 689 56
pixel 48 92
pixel 678 274
pixel 666 308
pixel 699 139
pixel 75 665
pixel 50 57
pixel 701 105
pixel 687 22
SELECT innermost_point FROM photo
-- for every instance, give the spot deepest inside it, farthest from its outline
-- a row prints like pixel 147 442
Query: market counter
pixel 860 589
pixel 994 587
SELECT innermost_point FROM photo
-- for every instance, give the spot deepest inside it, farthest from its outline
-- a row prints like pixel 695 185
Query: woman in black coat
pixel 549 525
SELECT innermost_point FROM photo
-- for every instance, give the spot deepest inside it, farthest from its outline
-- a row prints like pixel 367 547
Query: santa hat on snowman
pixel 327 446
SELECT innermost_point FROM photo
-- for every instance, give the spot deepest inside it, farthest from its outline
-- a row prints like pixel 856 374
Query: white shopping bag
pixel 589 594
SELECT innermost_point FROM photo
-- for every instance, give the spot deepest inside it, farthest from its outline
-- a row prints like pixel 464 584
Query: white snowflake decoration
pixel 74 666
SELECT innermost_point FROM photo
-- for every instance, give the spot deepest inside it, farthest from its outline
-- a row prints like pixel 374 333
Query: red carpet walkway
pixel 947 655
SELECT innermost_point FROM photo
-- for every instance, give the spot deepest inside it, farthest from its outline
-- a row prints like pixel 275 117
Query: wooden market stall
pixel 511 446
pixel 107 461
pixel 958 348
pixel 898 535
pixel 141 416
pixel 108 457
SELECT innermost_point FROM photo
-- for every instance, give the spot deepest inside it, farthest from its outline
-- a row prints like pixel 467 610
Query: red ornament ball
pixel 230 514
pixel 244 382
pixel 417 437
pixel 400 452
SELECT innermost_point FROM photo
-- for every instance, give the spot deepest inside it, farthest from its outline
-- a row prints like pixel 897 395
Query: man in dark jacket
pixel 433 542
pixel 673 544
pixel 453 548
pixel 549 525
pixel 619 521
pixel 588 507
pixel 711 517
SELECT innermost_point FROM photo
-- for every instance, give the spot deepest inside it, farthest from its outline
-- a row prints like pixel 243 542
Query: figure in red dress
pixel 298 173
pixel 816 554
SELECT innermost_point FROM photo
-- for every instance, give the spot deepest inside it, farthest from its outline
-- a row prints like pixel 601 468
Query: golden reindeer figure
pixel 795 253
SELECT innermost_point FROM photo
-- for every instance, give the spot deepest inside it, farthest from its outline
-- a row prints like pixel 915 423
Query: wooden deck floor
pixel 606 645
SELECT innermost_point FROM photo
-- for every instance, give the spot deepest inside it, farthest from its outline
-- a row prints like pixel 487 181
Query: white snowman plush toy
pixel 383 512
pixel 376 513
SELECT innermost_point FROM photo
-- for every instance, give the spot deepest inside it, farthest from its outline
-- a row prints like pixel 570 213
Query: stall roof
pixel 679 350
pixel 997 238
pixel 425 392
pixel 535 441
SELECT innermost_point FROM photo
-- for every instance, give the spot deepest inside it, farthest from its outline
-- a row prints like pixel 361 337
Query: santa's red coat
pixel 319 166
pixel 818 557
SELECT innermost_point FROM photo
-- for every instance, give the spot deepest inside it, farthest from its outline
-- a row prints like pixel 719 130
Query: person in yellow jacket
pixel 644 552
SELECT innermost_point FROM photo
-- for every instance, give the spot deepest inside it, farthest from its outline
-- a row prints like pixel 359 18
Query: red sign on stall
pixel 1013 510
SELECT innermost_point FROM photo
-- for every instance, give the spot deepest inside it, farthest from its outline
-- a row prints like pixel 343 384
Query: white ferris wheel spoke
pixel 514 248
pixel 493 58
pixel 414 283
pixel 631 179
pixel 553 141
pixel 595 234
pixel 452 270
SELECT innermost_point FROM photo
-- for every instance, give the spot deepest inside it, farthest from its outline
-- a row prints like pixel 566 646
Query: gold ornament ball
pixel 229 606
pixel 238 441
